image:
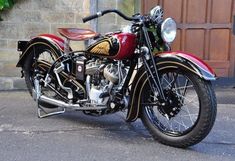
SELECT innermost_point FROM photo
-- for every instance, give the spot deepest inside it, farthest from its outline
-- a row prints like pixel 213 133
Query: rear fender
pixel 56 43
pixel 185 61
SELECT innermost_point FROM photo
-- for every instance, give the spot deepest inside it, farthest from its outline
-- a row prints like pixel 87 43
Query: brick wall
pixel 32 17
pixel 29 18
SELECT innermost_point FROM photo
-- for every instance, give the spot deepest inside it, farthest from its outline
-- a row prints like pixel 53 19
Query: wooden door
pixel 204 28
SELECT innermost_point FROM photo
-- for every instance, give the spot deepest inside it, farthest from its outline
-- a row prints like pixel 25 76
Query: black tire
pixel 36 52
pixel 199 128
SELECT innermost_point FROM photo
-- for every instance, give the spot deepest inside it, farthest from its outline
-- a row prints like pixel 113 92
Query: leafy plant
pixel 6 4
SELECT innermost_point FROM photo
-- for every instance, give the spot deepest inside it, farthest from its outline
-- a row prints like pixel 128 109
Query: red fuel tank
pixel 114 46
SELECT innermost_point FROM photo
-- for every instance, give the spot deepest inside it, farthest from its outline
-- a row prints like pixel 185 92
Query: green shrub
pixel 5 4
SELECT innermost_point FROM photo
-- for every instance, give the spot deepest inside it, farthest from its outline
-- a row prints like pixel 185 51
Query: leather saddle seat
pixel 77 34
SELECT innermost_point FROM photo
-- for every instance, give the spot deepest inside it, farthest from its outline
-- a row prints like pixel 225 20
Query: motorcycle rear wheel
pixel 189 115
pixel 39 52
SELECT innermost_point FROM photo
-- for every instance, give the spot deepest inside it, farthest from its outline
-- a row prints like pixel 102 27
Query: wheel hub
pixel 172 106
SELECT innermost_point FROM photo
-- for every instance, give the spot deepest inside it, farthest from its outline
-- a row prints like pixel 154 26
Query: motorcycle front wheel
pixel 186 116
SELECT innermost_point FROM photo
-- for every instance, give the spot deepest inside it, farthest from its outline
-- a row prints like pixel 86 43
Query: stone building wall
pixel 29 18
pixel 32 17
pixel 112 22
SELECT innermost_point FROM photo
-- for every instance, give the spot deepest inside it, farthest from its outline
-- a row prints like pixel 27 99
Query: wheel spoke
pixel 182 124
pixel 185 87
pixel 179 88
pixel 167 81
pixel 189 115
pixel 188 100
pixel 174 82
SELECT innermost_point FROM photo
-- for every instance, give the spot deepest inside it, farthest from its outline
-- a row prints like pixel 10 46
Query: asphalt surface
pixel 74 136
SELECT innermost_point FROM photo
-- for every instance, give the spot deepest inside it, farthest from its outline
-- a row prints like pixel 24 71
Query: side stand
pixel 40 110
pixel 42 113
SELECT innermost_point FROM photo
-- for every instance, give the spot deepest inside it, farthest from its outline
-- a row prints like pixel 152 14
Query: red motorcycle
pixel 132 69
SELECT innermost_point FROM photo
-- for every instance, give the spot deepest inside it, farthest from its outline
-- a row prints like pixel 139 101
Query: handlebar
pixel 101 13
pixel 91 17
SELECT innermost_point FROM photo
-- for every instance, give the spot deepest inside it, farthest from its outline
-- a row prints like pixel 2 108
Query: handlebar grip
pixel 88 18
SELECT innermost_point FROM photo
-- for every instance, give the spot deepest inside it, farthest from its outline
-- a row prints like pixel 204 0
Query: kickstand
pixel 42 113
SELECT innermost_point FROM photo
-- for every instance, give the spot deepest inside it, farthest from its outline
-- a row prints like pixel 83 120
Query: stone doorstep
pixel 12 83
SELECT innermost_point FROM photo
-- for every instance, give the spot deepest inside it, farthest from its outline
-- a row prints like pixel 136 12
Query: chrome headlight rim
pixel 156 14
pixel 168 30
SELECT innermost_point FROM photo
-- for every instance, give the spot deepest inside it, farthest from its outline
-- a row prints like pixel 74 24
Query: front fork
pixel 150 66
pixel 153 77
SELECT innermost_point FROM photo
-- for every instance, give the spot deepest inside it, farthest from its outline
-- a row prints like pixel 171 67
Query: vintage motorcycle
pixel 132 69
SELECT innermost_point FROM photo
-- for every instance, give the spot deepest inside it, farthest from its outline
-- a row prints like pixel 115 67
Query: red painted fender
pixel 193 63
pixel 54 41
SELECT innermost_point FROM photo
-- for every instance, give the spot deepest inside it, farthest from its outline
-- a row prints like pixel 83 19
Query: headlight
pixel 168 30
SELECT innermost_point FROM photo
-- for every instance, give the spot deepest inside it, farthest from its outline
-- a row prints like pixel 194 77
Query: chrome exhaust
pixel 55 102
pixel 62 104
pixel 39 97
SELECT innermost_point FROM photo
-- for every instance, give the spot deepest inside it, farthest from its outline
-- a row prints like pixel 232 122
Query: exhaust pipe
pixel 56 102
pixel 59 103
pixel 37 95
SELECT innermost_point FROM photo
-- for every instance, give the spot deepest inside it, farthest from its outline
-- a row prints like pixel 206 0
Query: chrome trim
pixel 88 86
pixel 99 14
pixel 62 104
pixel 68 90
pixel 66 46
pixel 36 92
pixel 48 114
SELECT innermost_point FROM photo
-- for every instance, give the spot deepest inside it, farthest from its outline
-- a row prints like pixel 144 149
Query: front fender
pixel 165 60
pixel 188 61
pixel 47 39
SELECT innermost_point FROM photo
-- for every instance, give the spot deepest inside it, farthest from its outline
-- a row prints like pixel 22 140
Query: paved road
pixel 74 136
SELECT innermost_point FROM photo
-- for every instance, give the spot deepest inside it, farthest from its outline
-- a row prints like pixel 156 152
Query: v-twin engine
pixel 103 80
